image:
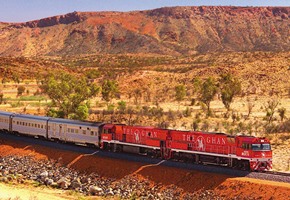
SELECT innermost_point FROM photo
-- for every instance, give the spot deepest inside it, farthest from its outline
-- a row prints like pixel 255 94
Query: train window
pixel 84 132
pixel 42 126
pixel 77 131
pixel 25 123
pixel 17 123
pixel 68 129
pixel 88 128
pixel 72 130
pixel 80 127
pixel 266 147
pixel 256 147
pixel 259 147
pixel 246 146
pixel 38 125
pixel 92 132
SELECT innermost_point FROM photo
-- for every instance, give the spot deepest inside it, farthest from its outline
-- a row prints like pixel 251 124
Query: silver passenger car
pixel 30 125
pixel 5 118
pixel 74 131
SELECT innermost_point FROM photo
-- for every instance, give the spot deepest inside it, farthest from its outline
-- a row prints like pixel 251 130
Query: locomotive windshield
pixel 261 147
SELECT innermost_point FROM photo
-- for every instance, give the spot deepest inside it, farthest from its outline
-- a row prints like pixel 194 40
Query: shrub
pixel 20 90
pixel 187 112
pixel 193 101
pixel 122 106
pixel 282 112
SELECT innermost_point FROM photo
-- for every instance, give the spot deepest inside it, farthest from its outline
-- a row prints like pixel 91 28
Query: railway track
pixel 278 173
pixel 270 175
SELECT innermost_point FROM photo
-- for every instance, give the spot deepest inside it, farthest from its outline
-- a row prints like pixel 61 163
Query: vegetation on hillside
pixel 69 94
pixel 226 92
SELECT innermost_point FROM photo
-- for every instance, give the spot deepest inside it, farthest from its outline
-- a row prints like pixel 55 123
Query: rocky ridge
pixel 170 31
pixel 48 172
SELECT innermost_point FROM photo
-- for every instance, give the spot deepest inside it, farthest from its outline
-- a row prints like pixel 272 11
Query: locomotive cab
pixel 106 135
pixel 257 151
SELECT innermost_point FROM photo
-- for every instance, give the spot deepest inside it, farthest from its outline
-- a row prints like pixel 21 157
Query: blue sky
pixel 26 10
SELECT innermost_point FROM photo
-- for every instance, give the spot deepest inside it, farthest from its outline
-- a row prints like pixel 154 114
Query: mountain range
pixel 165 31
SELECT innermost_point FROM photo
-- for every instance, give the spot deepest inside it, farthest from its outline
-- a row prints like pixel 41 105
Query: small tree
pixel 282 112
pixel 81 113
pixel 270 109
pixel 122 106
pixel 16 78
pixel 1 97
pixel 250 106
pixel 6 80
pixel 109 90
pixel 137 93
pixel 180 92
pixel 20 90
pixel 230 87
pixel 207 92
pixel 197 83
pixel 68 93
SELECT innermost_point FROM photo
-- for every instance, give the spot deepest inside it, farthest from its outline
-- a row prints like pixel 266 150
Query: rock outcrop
pixel 170 31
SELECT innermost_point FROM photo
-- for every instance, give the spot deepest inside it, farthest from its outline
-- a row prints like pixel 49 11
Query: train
pixel 239 152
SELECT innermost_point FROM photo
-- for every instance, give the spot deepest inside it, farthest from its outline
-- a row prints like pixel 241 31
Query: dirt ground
pixel 17 192
pixel 188 181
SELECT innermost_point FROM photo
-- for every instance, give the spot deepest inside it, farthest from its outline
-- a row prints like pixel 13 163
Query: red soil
pixel 188 181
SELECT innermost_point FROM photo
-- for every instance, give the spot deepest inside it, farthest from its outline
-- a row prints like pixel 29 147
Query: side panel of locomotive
pixel 215 148
pixel 203 142
pixel 135 139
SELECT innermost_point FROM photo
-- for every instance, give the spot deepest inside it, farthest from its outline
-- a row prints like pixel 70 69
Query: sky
pixel 27 10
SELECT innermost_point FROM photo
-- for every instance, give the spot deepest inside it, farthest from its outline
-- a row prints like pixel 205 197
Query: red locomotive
pixel 242 152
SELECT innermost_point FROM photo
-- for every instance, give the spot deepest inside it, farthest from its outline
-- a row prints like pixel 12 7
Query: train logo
pixel 137 138
pixel 200 143
pixel 263 154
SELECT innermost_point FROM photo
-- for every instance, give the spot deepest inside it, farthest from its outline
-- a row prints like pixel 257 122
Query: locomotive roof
pixel 76 122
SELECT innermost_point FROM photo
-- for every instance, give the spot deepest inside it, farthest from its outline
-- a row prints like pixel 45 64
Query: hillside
pixel 170 31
